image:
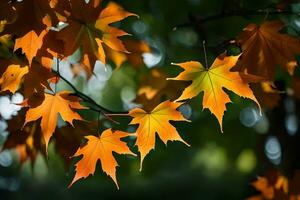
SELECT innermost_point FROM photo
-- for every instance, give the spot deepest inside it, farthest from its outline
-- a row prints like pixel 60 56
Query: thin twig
pixel 98 123
pixel 58 74
pixel 117 114
pixel 232 13
pixel 96 107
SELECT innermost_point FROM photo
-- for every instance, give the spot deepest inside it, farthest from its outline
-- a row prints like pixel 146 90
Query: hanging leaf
pixel 101 148
pixel 156 121
pixel 212 82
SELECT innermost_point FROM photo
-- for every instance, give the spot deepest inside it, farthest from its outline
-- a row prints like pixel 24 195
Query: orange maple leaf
pixel 29 15
pixel 36 80
pixel 212 82
pixel 92 31
pixel 30 44
pixel 264 47
pixel 68 139
pixel 154 87
pixel 101 148
pixel 135 57
pixel 61 103
pixel 12 77
pixel 29 21
pixel 156 121
pixel 262 184
pixel 277 186
pixel 26 141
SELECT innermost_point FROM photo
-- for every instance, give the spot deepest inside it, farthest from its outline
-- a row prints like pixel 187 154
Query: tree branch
pixel 226 14
pixel 96 107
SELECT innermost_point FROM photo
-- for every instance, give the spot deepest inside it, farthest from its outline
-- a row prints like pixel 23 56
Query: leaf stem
pixel 205 55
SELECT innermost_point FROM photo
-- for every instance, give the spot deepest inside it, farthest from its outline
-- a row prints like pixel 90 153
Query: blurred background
pixel 216 166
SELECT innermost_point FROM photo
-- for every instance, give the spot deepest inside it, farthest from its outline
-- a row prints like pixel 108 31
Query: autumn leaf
pixel 92 31
pixel 12 77
pixel 61 103
pixel 153 82
pixel 26 141
pixel 29 15
pixel 29 21
pixel 30 44
pixel 36 80
pixel 277 186
pixel 264 47
pixel 156 121
pixel 154 88
pixel 262 184
pixel 68 139
pixel 101 148
pixel 135 57
pixel 267 94
pixel 212 82
pixel 52 47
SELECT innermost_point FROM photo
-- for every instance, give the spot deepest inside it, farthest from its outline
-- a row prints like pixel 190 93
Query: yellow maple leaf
pixel 156 121
pixel 212 82
pixel 12 77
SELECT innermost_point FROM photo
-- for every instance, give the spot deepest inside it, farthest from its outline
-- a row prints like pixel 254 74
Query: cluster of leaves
pixel 32 42
pixel 276 186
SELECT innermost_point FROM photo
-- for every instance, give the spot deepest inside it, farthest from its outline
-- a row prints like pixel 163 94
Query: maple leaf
pixel 264 47
pixel 30 29
pixel 135 57
pixel 61 103
pixel 101 148
pixel 92 31
pixel 267 94
pixel 29 15
pixel 68 139
pixel 154 88
pixel 30 44
pixel 152 83
pixel 212 82
pixel 36 80
pixel 276 186
pixel 26 141
pixel 51 47
pixel 156 121
pixel 12 77
pixel 262 184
